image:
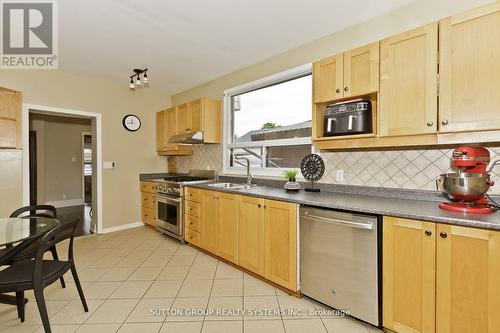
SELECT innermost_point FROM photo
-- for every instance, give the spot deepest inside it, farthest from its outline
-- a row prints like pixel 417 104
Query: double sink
pixel 233 186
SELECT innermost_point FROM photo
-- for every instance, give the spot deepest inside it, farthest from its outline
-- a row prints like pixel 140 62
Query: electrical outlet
pixel 340 175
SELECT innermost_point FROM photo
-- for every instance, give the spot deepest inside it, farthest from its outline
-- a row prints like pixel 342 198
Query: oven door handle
pixel 167 199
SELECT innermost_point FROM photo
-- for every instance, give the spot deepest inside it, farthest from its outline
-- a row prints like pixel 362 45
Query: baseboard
pixel 65 203
pixel 123 227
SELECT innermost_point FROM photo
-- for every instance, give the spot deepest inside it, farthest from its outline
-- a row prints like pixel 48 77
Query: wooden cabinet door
pixel 227 228
pixel 196 114
pixel 408 83
pixel 470 70
pixel 361 70
pixel 280 243
pixel 328 79
pixel 468 273
pixel 161 135
pixel 10 118
pixel 210 213
pixel 183 115
pixel 170 127
pixel 251 234
pixel 409 275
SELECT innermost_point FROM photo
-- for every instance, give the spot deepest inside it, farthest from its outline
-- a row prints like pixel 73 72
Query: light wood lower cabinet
pixel 251 234
pixel 468 280
pixel 440 278
pixel 409 271
pixel 148 206
pixel 280 243
pixel 256 234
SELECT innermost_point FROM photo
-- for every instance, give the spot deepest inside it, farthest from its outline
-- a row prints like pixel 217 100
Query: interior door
pixel 328 79
pixel 470 70
pixel 409 248
pixel 280 243
pixel 408 82
pixel 210 215
pixel 251 233
pixel 361 70
pixel 468 289
pixel 227 228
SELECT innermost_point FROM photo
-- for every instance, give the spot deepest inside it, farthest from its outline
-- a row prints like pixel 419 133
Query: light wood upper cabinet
pixel 184 121
pixel 352 73
pixel 161 135
pixel 251 234
pixel 195 115
pixel 468 273
pixel 408 83
pixel 10 118
pixel 170 126
pixel 361 70
pixel 227 227
pixel 166 127
pixel 328 78
pixel 280 243
pixel 409 275
pixel 210 215
pixel 470 70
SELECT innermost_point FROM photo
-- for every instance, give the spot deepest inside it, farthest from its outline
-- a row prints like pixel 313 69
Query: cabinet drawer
pixel 192 208
pixel 148 200
pixel 192 236
pixel 192 194
pixel 148 215
pixel 148 187
pixel 192 222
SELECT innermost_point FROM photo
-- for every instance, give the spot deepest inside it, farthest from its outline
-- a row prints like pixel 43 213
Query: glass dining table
pixel 17 234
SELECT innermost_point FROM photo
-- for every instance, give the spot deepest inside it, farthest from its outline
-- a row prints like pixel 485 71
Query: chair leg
pixel 20 305
pixel 42 308
pixel 56 257
pixel 79 287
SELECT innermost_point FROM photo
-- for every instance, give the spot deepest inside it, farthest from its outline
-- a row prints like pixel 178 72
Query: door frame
pixel 97 137
pixel 83 162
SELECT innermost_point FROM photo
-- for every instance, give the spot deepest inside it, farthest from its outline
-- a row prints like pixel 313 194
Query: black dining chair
pixel 37 211
pixel 38 273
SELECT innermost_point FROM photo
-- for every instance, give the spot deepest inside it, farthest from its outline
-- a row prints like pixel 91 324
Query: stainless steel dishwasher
pixel 339 262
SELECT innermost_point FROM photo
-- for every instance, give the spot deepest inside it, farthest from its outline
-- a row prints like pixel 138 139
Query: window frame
pixel 227 143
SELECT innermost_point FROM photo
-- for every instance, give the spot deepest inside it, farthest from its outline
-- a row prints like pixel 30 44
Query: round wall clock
pixel 131 122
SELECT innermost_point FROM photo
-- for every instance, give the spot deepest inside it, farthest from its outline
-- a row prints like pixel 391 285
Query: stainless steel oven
pixel 169 216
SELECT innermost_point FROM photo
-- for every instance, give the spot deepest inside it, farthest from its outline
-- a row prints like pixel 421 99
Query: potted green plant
pixel 291 184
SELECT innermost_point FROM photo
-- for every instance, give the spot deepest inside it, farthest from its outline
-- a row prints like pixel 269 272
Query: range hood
pixel 187 138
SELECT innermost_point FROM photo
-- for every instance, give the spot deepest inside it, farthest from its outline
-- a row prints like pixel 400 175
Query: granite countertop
pixel 407 208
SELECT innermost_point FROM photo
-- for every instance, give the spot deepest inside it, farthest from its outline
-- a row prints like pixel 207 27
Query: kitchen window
pixel 269 122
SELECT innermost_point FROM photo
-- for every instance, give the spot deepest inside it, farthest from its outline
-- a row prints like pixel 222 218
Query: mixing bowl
pixel 465 186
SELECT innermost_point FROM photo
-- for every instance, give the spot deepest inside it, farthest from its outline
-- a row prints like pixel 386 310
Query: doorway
pixel 61 166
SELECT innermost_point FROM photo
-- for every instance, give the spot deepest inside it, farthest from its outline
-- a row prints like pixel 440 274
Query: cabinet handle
pixel 187 129
pixel 428 232
pixel 430 123
pixel 443 234
pixel 259 205
pixel 346 88
pixel 444 122
pixel 337 91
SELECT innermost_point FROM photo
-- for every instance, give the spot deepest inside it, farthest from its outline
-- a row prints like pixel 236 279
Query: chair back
pixel 36 211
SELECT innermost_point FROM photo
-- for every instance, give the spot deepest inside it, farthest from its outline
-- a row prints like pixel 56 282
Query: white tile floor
pixel 127 274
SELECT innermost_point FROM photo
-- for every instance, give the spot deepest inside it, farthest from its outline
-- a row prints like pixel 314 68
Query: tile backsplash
pixel 408 169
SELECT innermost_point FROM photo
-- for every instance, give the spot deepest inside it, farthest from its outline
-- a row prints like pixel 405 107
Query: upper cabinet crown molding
pixel 10 118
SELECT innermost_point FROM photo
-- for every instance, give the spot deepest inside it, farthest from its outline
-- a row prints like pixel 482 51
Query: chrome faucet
pixel 249 176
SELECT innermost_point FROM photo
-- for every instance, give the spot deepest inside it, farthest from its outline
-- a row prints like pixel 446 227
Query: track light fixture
pixel 138 82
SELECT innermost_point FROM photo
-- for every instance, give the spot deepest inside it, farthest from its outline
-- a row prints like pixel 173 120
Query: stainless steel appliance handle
pixel 167 199
pixel 337 221
pixel 351 118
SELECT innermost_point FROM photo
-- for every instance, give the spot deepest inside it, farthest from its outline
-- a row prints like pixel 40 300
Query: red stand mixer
pixel 468 187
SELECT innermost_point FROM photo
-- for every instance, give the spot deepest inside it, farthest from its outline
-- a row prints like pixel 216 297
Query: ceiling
pixel 188 42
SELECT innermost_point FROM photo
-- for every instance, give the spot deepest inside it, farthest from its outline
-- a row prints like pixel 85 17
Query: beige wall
pixel 59 156
pixel 404 18
pixel 133 152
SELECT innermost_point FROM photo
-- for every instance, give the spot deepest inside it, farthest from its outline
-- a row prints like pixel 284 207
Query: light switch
pixel 73 159
pixel 109 165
